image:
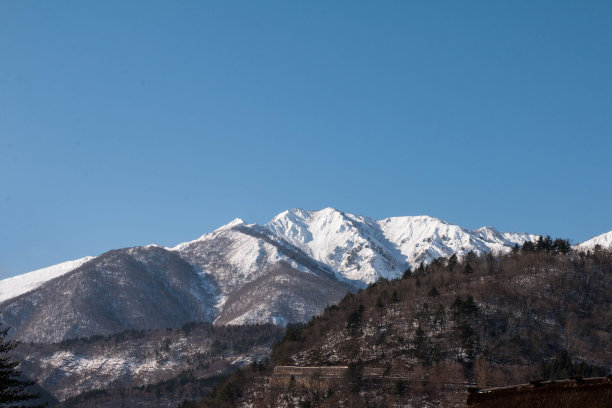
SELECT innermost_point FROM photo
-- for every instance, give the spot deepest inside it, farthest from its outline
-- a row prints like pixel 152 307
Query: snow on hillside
pixel 605 240
pixel 17 285
pixel 231 256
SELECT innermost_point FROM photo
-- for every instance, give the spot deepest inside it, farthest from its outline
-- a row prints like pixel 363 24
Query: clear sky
pixel 133 122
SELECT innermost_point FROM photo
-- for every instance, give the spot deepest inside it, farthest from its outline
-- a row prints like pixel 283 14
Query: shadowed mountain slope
pixel 137 288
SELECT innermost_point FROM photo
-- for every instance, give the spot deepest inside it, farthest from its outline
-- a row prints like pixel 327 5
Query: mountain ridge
pixel 603 240
pixel 38 276
pixel 239 273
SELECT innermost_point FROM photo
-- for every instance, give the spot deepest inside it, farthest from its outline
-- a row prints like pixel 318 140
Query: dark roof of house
pixel 574 392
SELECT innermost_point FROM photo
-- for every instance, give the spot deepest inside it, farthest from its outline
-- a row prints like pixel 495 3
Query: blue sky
pixel 129 123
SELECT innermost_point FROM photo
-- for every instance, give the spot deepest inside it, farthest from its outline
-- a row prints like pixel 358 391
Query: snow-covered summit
pixel 604 240
pixel 352 247
pixel 364 249
pixel 234 223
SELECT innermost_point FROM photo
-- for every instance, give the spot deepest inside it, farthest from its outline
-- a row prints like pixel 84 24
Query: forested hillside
pixel 143 368
pixel 541 311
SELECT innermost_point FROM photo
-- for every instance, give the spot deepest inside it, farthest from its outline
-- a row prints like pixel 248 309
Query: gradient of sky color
pixel 129 123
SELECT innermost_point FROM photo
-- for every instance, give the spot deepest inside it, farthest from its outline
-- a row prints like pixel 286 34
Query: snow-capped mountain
pixel 603 240
pixel 286 270
pixel 362 249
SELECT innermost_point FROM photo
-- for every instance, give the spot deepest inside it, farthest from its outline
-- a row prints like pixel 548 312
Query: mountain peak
pixel 605 240
pixel 414 219
pixel 231 224
pixel 302 213
pixel 235 222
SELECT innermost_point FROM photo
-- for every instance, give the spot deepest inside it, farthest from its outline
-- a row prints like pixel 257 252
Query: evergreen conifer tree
pixel 528 246
pixel 452 262
pixel 13 388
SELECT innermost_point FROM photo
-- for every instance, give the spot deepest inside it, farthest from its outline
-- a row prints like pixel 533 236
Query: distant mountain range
pixel 286 270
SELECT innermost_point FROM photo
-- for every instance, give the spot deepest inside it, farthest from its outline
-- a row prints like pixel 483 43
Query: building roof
pixel 574 392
